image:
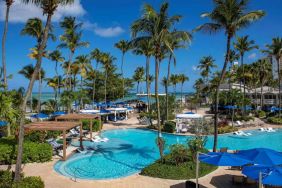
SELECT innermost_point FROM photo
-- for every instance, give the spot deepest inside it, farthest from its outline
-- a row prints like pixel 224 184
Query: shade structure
pixel 40 116
pixel 189 116
pixel 262 156
pixel 269 175
pixel 3 123
pixel 247 108
pixel 223 159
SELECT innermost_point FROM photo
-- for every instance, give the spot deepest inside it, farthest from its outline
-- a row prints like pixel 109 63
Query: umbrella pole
pixel 260 180
pixel 197 171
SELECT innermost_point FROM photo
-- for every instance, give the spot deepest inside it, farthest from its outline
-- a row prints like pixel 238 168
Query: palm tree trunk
pixel 217 92
pixel 147 82
pixel 244 85
pixel 28 93
pixel 31 109
pixel 167 84
pixel 279 82
pixel 69 69
pixel 122 60
pixel 94 84
pixel 181 94
pixel 106 86
pixel 157 62
pixel 261 96
pixel 137 89
pixel 56 91
pixel 39 92
pixel 4 46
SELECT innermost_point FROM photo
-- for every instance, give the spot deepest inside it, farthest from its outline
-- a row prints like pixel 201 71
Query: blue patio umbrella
pixel 230 107
pixel 262 156
pixel 58 113
pixel 247 108
pixel 189 113
pixel 3 123
pixel 269 175
pixel 223 159
pixel 40 115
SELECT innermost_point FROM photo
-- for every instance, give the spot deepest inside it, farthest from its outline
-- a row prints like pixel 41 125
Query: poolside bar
pixel 54 126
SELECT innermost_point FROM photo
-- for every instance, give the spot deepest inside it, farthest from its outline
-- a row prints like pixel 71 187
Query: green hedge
pixel 169 127
pixel 41 136
pixel 97 125
pixel 6 181
pixel 32 152
pixel 261 114
pixel 274 120
pixel 186 170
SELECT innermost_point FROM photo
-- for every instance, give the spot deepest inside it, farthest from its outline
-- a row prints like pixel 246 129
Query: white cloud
pixel 252 56
pixel 20 12
pixel 103 31
pixel 195 68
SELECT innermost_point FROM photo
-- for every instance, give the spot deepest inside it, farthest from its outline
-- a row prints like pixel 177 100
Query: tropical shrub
pixel 32 151
pixel 169 127
pixel 227 129
pixel 178 153
pixel 261 114
pixel 97 125
pixel 40 136
pixel 201 127
pixel 195 145
pixel 274 120
pixel 6 181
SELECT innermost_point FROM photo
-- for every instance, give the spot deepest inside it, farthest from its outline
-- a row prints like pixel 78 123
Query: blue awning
pixel 3 123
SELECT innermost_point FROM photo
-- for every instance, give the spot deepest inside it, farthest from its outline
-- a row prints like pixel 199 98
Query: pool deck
pixel 220 178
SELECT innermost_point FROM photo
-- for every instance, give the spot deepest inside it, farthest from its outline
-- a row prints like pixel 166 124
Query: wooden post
pixel 80 131
pixel 64 146
pixel 91 122
pixel 197 170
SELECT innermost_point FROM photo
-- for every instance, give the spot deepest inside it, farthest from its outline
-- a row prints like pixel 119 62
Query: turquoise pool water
pixel 130 150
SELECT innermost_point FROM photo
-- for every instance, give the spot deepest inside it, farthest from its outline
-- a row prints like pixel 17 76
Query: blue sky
pixel 107 22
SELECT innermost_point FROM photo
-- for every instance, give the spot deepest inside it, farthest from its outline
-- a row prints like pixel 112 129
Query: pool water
pixel 130 150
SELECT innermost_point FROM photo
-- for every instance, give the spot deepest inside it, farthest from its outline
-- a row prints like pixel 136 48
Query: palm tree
pixel 71 39
pixel 229 16
pixel 155 26
pixel 243 45
pixel 182 78
pixel 57 57
pixel 41 76
pixel 138 77
pixel 145 47
pixel 107 61
pixel 264 70
pixel 49 10
pixel 27 72
pixel 123 46
pixel 8 6
pixel 83 64
pixel 205 65
pixel 275 50
pixel 174 79
pixel 96 55
pixel 54 83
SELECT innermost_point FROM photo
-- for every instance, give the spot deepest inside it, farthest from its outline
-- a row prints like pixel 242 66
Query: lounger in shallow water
pixel 99 139
pixel 242 133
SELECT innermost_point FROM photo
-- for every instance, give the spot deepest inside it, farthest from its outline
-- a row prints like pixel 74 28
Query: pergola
pixel 56 126
pixel 79 117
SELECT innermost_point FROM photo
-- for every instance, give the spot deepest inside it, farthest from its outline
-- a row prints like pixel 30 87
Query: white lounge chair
pixel 242 133
pixel 262 129
pixel 99 139
pixel 270 129
pixel 74 132
pixel 239 123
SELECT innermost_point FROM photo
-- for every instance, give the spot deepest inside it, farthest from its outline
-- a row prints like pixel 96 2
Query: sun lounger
pixel 262 129
pixel 241 133
pixel 270 129
pixel 84 151
pixel 55 145
pixel 74 133
pixel 99 139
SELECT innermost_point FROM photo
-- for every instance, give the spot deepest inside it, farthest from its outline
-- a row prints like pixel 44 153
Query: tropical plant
pixel 57 57
pixel 123 46
pixel 275 49
pixel 96 55
pixel 8 6
pixel 243 45
pixel 48 8
pixel 182 79
pixel 145 47
pixel 138 76
pixel 71 39
pixel 174 80
pixel 229 16
pixel 156 26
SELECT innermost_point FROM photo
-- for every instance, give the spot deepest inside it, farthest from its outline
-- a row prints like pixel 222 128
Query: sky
pixel 107 22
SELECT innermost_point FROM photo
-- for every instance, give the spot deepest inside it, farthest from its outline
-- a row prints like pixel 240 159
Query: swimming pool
pixel 130 150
